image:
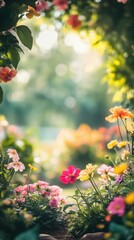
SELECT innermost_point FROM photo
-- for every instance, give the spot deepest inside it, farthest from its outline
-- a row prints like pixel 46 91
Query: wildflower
pixel 54 202
pixel 105 169
pixel 74 21
pixel 119 169
pixel 122 144
pixel 122 1
pixel 70 175
pixel 32 12
pixel 129 199
pixel 116 206
pixel 118 112
pixel 119 178
pixel 107 235
pixel 108 218
pixel 41 6
pixel 60 4
pixel 16 165
pixel 125 154
pixel 87 173
pixel 6 74
pixel 32 168
pixel 12 153
pixel 112 144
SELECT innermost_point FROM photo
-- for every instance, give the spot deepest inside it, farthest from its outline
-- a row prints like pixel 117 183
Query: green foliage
pixel 15 223
pixel 24 35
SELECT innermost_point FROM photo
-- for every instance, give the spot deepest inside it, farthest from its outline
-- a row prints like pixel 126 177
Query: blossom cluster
pixel 15 164
pixel 51 194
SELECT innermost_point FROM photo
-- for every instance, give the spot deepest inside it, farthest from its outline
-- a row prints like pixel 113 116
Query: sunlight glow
pixel 47 38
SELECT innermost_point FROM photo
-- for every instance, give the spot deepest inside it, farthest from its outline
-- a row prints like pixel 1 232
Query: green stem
pixel 125 126
pixel 119 130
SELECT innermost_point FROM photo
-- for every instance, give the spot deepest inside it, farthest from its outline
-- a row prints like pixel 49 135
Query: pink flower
pixel 16 165
pixel 119 178
pixel 21 200
pixel 55 190
pixel 41 6
pixel 43 184
pixel 74 21
pixel 70 175
pixel 122 1
pixel 54 202
pixel 116 206
pixel 12 153
pixel 6 74
pixel 105 169
pixel 60 4
pixel 19 189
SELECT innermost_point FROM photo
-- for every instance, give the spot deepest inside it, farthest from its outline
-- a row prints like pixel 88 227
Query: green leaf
pixel 24 34
pixel 117 228
pixel 1 95
pixel 13 56
pixel 9 16
pixel 32 234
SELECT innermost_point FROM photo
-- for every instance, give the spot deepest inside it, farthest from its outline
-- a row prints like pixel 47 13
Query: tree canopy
pixel 104 22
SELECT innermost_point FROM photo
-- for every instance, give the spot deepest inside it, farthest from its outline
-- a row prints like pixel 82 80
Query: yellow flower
pixel 129 199
pixel 32 168
pixel 112 144
pixel 122 144
pixel 119 169
pixel 107 235
pixel 87 173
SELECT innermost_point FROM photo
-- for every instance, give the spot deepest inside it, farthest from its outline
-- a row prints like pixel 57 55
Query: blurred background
pixel 54 111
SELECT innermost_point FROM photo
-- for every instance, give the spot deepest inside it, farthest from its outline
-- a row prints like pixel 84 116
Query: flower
pixel 41 6
pixel 122 1
pixel 60 4
pixel 32 168
pixel 87 173
pixel 32 12
pixel 119 169
pixel 122 144
pixel 70 175
pixel 6 74
pixel 74 21
pixel 118 112
pixel 105 169
pixel 16 165
pixel 119 178
pixel 112 144
pixel 129 199
pixel 12 153
pixel 116 206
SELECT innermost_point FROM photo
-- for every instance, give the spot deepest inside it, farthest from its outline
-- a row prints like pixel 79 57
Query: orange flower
pixel 74 21
pixel 32 12
pixel 118 112
pixel 129 199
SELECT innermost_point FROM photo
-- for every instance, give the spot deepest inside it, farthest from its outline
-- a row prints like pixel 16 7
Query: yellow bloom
pixel 122 144
pixel 112 144
pixel 119 169
pixel 32 168
pixel 87 173
pixel 129 199
pixel 107 235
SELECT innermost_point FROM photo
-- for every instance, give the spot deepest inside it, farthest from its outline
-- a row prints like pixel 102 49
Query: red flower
pixel 60 4
pixel 6 74
pixel 70 175
pixel 74 21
